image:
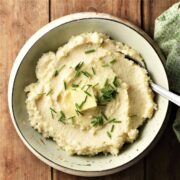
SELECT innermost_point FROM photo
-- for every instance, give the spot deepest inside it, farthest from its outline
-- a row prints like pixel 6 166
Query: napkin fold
pixel 167 36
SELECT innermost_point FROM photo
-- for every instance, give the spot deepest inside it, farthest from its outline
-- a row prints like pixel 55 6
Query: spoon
pixel 166 94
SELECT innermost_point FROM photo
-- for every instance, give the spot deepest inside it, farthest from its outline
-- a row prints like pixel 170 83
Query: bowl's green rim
pixel 67 169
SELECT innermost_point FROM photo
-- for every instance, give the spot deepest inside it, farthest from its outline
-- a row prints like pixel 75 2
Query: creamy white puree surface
pixel 64 103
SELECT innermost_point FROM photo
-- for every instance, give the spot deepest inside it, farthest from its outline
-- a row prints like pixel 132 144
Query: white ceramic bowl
pixel 50 37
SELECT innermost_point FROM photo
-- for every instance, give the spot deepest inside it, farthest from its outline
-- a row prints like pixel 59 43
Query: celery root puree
pixel 91 96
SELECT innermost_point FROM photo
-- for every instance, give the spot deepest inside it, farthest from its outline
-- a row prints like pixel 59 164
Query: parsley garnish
pixel 89 51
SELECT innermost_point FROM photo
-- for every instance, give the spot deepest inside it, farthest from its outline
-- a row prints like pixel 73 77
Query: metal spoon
pixel 166 94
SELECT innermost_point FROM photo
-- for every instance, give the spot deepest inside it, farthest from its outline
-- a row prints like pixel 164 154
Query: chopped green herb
pixel 75 85
pixel 105 65
pixel 113 61
pixel 52 111
pixel 95 85
pixel 114 121
pixel 89 51
pixel 78 68
pixel 81 105
pixel 85 73
pixel 78 112
pixel 105 117
pixel 72 118
pixel 83 87
pixel 134 115
pixel 116 82
pixel 48 93
pixel 83 102
pixel 112 128
pixel 65 85
pixel 98 120
pixel 40 94
pixel 62 117
pixel 109 134
pixel 87 93
pixel 93 70
pixel 57 71
pixel 107 93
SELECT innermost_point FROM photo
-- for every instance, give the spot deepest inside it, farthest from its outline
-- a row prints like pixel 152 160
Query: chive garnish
pixel 65 85
pixel 105 65
pixel 109 134
pixel 52 111
pixel 75 85
pixel 78 112
pixel 95 85
pixel 48 93
pixel 114 121
pixel 89 51
pixel 78 67
pixel 78 107
pixel 57 71
pixel 107 93
pixel 112 128
pixel 87 74
pixel 98 120
pixel 105 117
pixel 83 102
pixel 62 117
pixel 93 70
pixel 72 118
pixel 116 82
pixel 83 87
pixel 113 61
pixel 87 93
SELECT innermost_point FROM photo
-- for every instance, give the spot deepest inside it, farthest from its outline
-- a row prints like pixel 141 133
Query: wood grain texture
pixel 152 9
pixel 164 160
pixel 127 9
pixel 18 21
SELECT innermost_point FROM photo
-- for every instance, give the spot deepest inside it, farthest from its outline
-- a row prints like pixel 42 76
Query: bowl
pixel 49 38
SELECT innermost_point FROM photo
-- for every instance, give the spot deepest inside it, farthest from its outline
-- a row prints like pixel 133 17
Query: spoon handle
pixel 166 94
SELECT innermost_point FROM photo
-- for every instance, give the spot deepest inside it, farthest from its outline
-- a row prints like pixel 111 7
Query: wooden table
pixel 19 19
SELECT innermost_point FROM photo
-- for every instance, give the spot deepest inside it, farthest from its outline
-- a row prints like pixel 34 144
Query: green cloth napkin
pixel 167 36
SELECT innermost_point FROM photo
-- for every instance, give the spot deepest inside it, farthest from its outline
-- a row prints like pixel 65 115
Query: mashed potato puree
pixel 91 95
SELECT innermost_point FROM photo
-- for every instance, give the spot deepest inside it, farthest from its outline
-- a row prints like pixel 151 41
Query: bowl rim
pixel 20 57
